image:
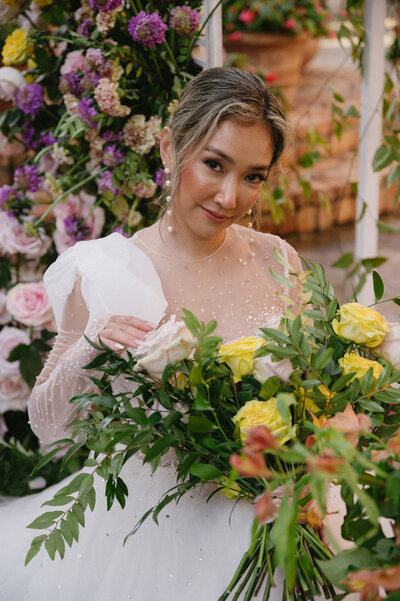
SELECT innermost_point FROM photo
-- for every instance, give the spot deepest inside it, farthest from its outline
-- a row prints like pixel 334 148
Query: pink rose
pixel 235 36
pixel 76 219
pixel 13 239
pixel 10 338
pixel 4 315
pixel 29 304
pixel 14 393
pixel 10 81
pixel 145 189
pixel 247 16
pixel 290 24
pixel 73 61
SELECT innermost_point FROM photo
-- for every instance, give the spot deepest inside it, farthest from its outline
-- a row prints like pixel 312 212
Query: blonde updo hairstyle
pixel 216 95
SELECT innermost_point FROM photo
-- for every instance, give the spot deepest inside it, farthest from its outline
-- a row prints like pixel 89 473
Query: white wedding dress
pixel 193 552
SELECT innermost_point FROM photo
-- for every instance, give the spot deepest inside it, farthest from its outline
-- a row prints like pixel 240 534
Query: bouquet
pixel 271 419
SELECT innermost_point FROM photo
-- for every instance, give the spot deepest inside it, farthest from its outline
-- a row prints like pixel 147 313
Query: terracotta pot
pixel 277 53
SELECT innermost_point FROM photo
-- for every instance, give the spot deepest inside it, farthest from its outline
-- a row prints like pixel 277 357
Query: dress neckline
pixel 177 259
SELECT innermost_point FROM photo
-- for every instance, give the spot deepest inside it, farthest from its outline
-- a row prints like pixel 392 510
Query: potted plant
pixel 278 35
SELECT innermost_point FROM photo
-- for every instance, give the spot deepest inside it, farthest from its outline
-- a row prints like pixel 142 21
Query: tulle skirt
pixel 190 556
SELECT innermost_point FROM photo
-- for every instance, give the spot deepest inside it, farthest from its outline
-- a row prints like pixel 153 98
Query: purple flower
pixel 5 193
pixel 147 28
pixel 85 27
pixel 27 133
pixel 120 230
pixel 87 112
pixel 105 5
pixel 184 19
pixel 27 178
pixel 47 138
pixel 29 98
pixel 109 136
pixel 160 177
pixel 70 82
pixel 112 156
pixel 105 183
pixel 75 227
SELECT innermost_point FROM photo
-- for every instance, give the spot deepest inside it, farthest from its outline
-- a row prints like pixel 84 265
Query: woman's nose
pixel 227 195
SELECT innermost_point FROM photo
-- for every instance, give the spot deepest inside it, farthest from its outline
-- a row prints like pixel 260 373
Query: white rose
pixel 265 367
pixel 14 393
pixel 171 343
pixel 9 339
pixel 389 349
pixel 10 81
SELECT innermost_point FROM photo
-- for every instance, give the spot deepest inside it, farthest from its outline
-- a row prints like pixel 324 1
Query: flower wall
pixel 85 86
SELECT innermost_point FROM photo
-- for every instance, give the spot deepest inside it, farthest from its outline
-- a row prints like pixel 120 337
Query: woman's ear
pixel 167 147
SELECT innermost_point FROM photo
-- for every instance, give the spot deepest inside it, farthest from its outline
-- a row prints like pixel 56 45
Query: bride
pixel 221 142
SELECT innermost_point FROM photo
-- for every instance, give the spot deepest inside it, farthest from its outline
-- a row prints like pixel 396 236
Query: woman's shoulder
pixel 264 240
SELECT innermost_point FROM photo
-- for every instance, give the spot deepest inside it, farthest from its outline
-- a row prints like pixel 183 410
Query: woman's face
pixel 222 183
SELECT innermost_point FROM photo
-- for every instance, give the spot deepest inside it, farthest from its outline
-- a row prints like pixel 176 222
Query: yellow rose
pixel 11 3
pixel 354 363
pixel 360 324
pixel 265 413
pixel 239 355
pixel 17 48
pixel 43 2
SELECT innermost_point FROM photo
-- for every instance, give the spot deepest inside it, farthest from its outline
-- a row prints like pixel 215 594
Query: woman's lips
pixel 214 216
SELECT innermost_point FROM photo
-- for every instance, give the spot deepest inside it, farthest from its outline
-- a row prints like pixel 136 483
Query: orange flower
pixel 266 508
pixel 350 423
pixel 310 514
pixel 250 465
pixel 325 463
pixel 367 582
pixel 394 444
pixel 260 438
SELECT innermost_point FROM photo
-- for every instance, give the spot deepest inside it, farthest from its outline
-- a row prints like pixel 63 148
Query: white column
pixel 210 51
pixel 366 244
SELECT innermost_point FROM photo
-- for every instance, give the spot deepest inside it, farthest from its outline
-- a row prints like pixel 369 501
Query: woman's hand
pixel 122 331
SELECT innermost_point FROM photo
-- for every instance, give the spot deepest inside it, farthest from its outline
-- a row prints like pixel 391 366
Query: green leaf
pixel 45 520
pixel 336 569
pixel 385 227
pixel 393 176
pixel 282 279
pixel 322 359
pixel 205 471
pixel 59 500
pixel 78 511
pixel 48 457
pixel 59 542
pixel 341 382
pixel 201 404
pixel 383 157
pixel 91 497
pixel 370 405
pixel 344 261
pixel 367 381
pixel 284 402
pixel 199 425
pixel 66 532
pixel 378 286
pixel 73 525
pixel 97 361
pixel 269 388
pixel 35 547
pixel 5 272
pixel 30 365
pixel 137 414
pixel 86 485
pixel 50 546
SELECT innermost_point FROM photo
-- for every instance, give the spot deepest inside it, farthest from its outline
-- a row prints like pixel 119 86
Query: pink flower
pixel 235 36
pixel 4 315
pixel 9 339
pixel 290 24
pixel 14 393
pixel 13 239
pixel 108 99
pixel 11 80
pixel 247 16
pixel 250 465
pixel 350 423
pixel 266 508
pixel 138 134
pixel 271 77
pixel 76 219
pixel 29 304
pixel 145 189
pixel 260 438
pixel 73 61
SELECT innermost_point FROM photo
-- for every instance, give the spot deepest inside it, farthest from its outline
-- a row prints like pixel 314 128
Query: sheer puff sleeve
pixel 87 284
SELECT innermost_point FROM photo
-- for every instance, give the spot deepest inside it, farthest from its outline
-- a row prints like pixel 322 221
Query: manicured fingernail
pixel 149 325
pixel 118 346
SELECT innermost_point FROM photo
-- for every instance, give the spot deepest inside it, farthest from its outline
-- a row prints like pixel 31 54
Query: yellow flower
pixel 309 403
pixel 239 355
pixel 351 362
pixel 43 2
pixel 256 413
pixel 232 491
pixel 11 3
pixel 17 48
pixel 360 324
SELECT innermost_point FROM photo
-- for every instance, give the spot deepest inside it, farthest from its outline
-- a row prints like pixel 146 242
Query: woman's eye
pixel 255 178
pixel 214 165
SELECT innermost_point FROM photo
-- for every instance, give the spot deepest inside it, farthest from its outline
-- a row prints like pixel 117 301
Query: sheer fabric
pixel 96 279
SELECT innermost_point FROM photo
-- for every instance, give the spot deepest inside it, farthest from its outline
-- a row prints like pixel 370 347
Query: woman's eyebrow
pixel 229 159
